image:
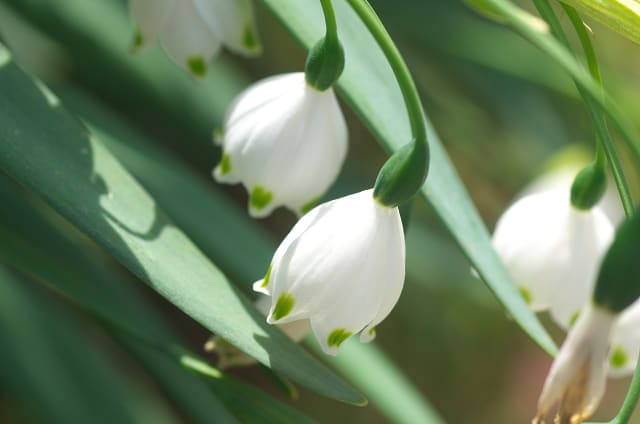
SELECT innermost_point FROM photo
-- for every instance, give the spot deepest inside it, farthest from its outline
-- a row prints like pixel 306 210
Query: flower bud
pixel 325 63
pixel 588 187
pixel 618 284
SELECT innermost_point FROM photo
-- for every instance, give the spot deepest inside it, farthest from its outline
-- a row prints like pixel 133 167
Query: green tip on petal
pixel 197 66
pixel 260 198
pixel 138 40
pixel 526 295
pixel 573 319
pixel 249 39
pixel 619 358
pixel 338 336
pixel 265 281
pixel 372 331
pixel 310 205
pixel 283 307
pixel 225 164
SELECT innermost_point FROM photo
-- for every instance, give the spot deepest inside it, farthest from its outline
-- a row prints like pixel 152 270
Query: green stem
pixel 605 146
pixel 630 401
pixel 330 20
pixel 420 151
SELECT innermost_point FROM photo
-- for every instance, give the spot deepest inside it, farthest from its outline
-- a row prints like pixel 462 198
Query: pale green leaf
pixel 622 16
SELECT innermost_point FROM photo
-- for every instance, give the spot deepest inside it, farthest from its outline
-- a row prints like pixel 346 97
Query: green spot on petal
pixel 283 307
pixel 308 206
pixel 249 39
pixel 265 281
pixel 197 66
pixel 138 40
pixel 526 295
pixel 573 319
pixel 618 358
pixel 338 336
pixel 225 164
pixel 372 331
pixel 260 197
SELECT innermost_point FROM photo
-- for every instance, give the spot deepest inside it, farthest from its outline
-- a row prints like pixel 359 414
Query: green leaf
pixel 33 244
pixel 622 16
pixel 364 89
pixel 46 149
pixel 57 371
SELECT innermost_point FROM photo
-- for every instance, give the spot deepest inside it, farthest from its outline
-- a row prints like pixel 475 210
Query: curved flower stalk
pixel 230 357
pixel 341 267
pixel 284 141
pixel 577 377
pixel 553 251
pixel 193 31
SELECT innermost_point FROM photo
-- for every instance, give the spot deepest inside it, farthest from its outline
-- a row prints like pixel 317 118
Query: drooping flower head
pixel 577 378
pixel 193 31
pixel 284 141
pixel 553 251
pixel 341 267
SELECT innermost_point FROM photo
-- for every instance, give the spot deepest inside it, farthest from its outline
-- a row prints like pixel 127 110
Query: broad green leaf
pixel 369 86
pixel 622 16
pixel 33 244
pixel 46 149
pixel 58 373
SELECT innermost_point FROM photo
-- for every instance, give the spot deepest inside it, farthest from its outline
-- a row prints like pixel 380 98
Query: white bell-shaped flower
pixel 577 377
pixel 341 266
pixel 285 141
pixel 553 251
pixel 192 31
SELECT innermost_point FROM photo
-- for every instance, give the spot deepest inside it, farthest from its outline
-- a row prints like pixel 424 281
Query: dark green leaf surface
pixel 58 373
pixel 31 243
pixel 45 148
pixel 369 86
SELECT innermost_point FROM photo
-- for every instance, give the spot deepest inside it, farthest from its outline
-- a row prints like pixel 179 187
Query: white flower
pixel 341 267
pixel 192 31
pixel 285 141
pixel 577 377
pixel 229 356
pixel 553 251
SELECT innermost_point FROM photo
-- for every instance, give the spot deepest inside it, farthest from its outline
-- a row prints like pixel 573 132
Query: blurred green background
pixel 501 107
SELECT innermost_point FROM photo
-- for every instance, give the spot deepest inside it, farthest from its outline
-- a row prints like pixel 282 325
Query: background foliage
pixel 84 340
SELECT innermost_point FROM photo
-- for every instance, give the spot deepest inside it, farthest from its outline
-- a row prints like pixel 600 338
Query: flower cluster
pixel 341 268
pixel 554 253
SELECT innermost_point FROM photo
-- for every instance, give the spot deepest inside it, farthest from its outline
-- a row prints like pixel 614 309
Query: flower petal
pixel 625 342
pixel 232 22
pixel 188 39
pixel 150 17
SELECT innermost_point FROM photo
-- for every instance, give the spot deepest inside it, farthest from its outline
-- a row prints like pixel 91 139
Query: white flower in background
pixel 561 178
pixel 341 267
pixel 577 377
pixel 283 140
pixel 553 251
pixel 193 31
pixel 229 356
